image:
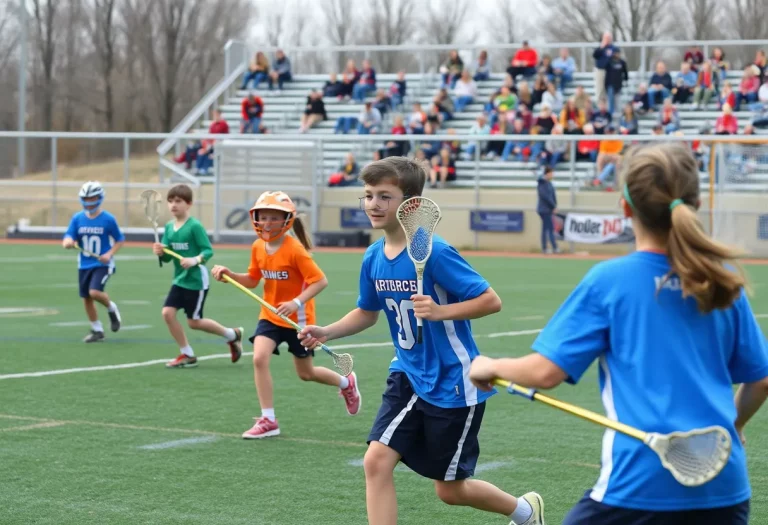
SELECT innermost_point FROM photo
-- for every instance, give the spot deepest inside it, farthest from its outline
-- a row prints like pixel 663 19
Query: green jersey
pixel 190 240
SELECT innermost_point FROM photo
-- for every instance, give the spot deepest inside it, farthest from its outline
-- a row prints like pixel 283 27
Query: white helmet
pixel 89 190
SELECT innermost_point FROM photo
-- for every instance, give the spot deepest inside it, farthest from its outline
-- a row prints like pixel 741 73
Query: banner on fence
pixel 355 218
pixel 597 229
pixel 496 221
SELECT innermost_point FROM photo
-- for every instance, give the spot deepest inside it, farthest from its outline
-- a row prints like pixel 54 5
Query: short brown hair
pixel 181 191
pixel 662 188
pixel 407 174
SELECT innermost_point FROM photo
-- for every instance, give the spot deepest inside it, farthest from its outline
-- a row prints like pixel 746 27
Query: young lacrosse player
pixel 670 342
pixel 96 233
pixel 291 281
pixel 431 413
pixel 188 238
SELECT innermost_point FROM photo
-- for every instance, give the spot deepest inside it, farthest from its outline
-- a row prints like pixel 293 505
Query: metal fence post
pixel 54 177
pixel 572 154
pixel 477 190
pixel 217 169
pixel 126 178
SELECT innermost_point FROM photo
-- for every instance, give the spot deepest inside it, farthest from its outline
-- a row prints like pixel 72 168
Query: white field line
pixel 44 424
pixel 153 362
pixel 179 443
pixel 761 316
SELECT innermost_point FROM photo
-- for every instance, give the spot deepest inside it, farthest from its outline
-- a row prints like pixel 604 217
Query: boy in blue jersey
pixel 99 237
pixel 430 413
pixel 670 341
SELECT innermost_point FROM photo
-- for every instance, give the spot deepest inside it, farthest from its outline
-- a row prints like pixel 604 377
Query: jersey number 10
pixel 92 244
pixel 405 337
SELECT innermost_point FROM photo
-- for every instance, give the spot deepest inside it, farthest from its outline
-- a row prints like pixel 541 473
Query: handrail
pixel 178 170
pixel 196 112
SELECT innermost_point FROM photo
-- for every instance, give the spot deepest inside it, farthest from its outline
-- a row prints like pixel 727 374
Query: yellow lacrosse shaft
pixel 572 409
pixel 264 303
pixel 85 252
pixel 172 253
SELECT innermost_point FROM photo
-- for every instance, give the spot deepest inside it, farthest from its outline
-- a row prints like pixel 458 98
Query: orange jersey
pixel 286 274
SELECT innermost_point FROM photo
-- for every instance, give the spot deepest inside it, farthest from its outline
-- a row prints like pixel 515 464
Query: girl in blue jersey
pixel 430 413
pixel 672 331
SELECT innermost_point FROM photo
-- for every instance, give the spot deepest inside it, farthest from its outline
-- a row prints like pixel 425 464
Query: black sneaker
pixel 94 337
pixel 114 318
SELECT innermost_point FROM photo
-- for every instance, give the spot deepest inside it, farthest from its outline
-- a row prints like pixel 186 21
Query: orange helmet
pixel 273 200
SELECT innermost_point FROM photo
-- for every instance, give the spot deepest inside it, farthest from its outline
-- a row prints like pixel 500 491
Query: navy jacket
pixel 602 56
pixel 547 196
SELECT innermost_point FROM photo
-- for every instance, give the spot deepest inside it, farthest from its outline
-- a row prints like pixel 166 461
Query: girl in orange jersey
pixel 291 281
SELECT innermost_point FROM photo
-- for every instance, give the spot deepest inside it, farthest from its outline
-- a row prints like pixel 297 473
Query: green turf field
pixel 143 444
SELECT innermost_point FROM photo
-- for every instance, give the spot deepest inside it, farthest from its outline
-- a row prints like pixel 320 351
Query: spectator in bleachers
pixel 719 65
pixel 545 68
pixel 482 67
pixel 543 124
pixel 366 82
pixel 258 71
pixel 554 150
pixel 705 86
pixel 660 85
pixel 694 57
pixel 189 155
pixel 479 127
pixel 524 113
pixel 587 148
pixel 417 119
pixel 602 118
pixel 314 111
pixel 668 118
pixel 685 83
pixel 503 101
pixel 495 148
pixel 553 97
pixel 396 148
pixel 762 97
pixel 369 120
pixel 204 157
pixel 608 157
pixel 281 71
pixel 572 119
pixel 252 109
pixel 615 76
pixel 428 145
pixel 546 207
pixel 628 124
pixel 443 168
pixel 524 62
pixel 397 90
pixel 760 62
pixel 602 56
pixel 749 86
pixel 727 96
pixel 452 69
pixel 435 116
pixel 539 87
pixel 563 69
pixel 641 102
pixel 349 78
pixel 584 101
pixel 524 95
pixel 332 87
pixel 727 123
pixel 382 102
pixel 348 173
pixel 521 149
pixel 445 103
pixel 465 91
pixel 657 130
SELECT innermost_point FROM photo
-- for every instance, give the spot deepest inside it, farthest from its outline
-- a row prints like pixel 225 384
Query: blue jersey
pixel 96 235
pixel 663 366
pixel 438 369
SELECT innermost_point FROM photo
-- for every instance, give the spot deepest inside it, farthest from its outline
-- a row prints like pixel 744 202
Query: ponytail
pixel 301 233
pixel 702 263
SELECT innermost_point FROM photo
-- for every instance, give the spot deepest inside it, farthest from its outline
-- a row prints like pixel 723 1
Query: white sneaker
pixel 537 504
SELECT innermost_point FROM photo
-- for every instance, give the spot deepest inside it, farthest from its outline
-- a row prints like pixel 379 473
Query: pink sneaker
pixel 351 395
pixel 263 428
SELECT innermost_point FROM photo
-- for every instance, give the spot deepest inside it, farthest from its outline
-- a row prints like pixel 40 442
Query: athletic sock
pixel 268 413
pixel 96 326
pixel 112 306
pixel 522 512
pixel 230 334
pixel 344 383
pixel 187 351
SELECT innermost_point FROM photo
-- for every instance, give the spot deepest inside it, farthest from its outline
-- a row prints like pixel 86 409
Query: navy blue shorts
pixel 590 512
pixel 437 443
pixel 94 279
pixel 191 301
pixel 282 334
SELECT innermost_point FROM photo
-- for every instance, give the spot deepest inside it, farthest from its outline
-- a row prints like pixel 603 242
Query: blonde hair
pixel 662 188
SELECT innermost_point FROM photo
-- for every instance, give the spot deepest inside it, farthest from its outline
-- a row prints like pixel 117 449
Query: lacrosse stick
pixel 151 201
pixel 85 252
pixel 418 217
pixel 693 457
pixel 342 362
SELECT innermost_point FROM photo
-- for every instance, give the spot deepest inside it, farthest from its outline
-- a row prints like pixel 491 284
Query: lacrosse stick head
pixel 418 216
pixel 694 457
pixel 343 363
pixel 151 201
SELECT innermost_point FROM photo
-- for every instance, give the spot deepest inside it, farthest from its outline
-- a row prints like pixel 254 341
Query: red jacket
pixel 256 108
pixel 528 56
pixel 216 127
pixel 727 123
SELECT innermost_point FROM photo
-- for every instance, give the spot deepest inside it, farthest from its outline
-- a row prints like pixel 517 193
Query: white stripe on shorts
pixel 387 435
pixel 200 296
pixel 450 474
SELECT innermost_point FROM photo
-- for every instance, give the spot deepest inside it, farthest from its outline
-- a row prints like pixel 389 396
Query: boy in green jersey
pixel 187 237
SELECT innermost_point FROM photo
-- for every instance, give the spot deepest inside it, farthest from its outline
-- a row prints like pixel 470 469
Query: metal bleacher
pixel 283 112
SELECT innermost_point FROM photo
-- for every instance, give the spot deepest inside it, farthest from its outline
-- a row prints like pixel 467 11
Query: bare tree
pixel 698 20
pixel 71 62
pixel 443 24
pixel 573 20
pixel 339 18
pixel 9 41
pixel 305 34
pixel 46 20
pixel 390 22
pixel 274 20
pixel 503 22
pixel 103 35
pixel 747 19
